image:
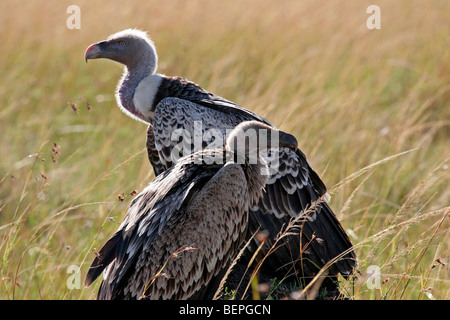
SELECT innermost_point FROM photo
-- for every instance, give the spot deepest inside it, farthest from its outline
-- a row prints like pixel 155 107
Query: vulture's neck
pixel 256 180
pixel 256 174
pixel 126 89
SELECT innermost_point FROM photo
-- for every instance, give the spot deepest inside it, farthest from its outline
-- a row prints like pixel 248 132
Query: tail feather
pixel 105 256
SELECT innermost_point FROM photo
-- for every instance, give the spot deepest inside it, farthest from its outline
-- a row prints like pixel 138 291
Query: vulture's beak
pixel 94 51
pixel 288 140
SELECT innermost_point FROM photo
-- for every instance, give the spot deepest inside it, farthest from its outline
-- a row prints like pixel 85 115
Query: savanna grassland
pixel 370 108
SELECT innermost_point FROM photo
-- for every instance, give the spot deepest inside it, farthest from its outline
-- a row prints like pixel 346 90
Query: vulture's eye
pixel 121 43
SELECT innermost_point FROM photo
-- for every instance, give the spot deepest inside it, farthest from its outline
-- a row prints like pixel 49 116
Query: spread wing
pixel 189 220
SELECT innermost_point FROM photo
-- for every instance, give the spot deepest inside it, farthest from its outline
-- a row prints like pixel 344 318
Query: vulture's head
pixel 130 47
pixel 250 138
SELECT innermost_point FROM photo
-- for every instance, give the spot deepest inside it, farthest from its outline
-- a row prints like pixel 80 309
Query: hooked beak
pixel 94 51
pixel 288 140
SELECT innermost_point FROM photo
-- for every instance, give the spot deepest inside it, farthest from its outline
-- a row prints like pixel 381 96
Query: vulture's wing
pixel 181 127
pixel 215 227
pixel 153 155
pixel 288 193
pixel 317 236
pixel 177 87
pixel 149 212
pixel 173 232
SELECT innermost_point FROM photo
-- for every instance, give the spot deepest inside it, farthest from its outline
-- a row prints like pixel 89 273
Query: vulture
pixel 170 105
pixel 184 229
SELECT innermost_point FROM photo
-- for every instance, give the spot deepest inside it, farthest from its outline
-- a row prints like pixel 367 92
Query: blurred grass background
pixel 352 97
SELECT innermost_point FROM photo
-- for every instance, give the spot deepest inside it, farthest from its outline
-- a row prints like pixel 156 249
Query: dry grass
pixel 352 97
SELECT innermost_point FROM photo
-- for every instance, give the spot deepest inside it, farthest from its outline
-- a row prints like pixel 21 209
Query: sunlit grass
pixel 352 97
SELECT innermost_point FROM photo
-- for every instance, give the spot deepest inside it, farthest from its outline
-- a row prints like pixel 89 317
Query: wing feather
pixel 289 192
pixel 214 225
pixel 149 212
pixel 196 211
